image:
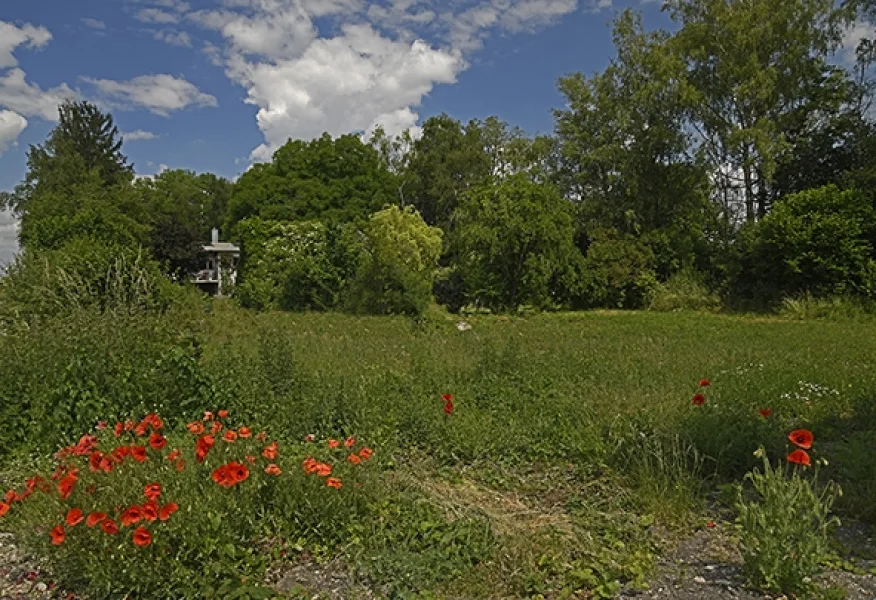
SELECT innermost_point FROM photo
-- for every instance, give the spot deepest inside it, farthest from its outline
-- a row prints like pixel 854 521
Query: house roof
pixel 221 247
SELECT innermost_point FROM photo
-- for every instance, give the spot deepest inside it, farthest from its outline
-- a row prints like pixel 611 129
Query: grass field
pixel 574 450
pixel 573 459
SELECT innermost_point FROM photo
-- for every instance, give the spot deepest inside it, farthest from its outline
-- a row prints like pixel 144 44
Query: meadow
pixel 573 456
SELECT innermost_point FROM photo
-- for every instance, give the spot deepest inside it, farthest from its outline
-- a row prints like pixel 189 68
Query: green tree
pixel 400 263
pixel 445 162
pixel 761 77
pixel 336 180
pixel 513 240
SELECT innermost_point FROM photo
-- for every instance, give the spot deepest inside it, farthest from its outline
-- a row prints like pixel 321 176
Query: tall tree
pixel 759 69
pixel 79 164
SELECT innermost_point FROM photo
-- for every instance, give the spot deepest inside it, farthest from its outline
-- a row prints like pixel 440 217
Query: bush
pixel 835 308
pixel 617 272
pixel 129 511
pixel 297 265
pixel 813 242
pixel 85 273
pixel 683 291
pixel 401 260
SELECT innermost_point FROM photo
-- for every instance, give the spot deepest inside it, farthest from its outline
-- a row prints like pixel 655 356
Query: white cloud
pixel 379 62
pixel 93 23
pixel 173 37
pixel 155 15
pixel 29 99
pixel 160 94
pixel 138 135
pixel 11 126
pixel 11 37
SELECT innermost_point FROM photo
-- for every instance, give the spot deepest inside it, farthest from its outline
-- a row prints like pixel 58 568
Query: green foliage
pixel 299 265
pixel 513 240
pixel 84 274
pixel 784 529
pixel 683 291
pixel 401 258
pixel 617 272
pixel 814 242
pixel 334 180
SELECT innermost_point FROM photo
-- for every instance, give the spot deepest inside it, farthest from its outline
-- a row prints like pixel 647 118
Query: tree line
pixel 729 162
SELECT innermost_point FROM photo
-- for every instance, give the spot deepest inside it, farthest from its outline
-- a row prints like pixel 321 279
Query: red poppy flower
pixel 94 461
pixel 174 455
pixel 448 404
pixel 334 444
pixel 101 425
pixel 354 458
pixel 109 527
pixel 365 453
pixel 152 491
pixel 120 453
pixel 118 429
pixel 58 535
pixel 447 397
pixel 273 469
pixel 129 425
pixel 155 421
pixel 705 383
pixel 309 437
pixel 222 477
pixel 223 414
pixel 261 436
pixel 141 537
pixel 141 429
pixel 710 524
pixel 765 412
pixel 138 453
pixel 208 416
pixel 196 427
pixel 66 485
pixel 180 465
pixel 799 457
pixel 132 515
pixel 698 400
pixel 157 441
pixel 203 447
pixel 244 432
pixel 10 496
pixel 323 470
pixel 216 428
pixel 149 510
pixel 333 482
pixel 74 517
pixel 238 472
pixel 349 442
pixel 802 438
pixel 310 465
pixel 95 518
pixel 4 508
pixel 167 510
pixel 230 436
pixel 271 451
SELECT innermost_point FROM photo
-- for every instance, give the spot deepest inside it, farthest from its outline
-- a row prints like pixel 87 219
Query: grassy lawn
pixel 574 454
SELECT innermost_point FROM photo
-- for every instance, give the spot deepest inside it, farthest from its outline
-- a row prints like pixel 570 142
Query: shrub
pixel 617 272
pixel 296 265
pixel 835 308
pixel 401 259
pixel 683 291
pixel 85 273
pixel 815 242
pixel 136 510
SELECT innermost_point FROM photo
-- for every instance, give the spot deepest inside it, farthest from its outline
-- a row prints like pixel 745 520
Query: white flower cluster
pixel 808 391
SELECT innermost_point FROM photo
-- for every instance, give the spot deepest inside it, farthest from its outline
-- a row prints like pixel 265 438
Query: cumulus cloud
pixel 29 99
pixel 11 126
pixel 11 37
pixel 93 23
pixel 375 67
pixel 138 135
pixel 161 94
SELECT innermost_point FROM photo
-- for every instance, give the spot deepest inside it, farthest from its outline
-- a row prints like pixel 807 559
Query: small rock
pixel 699 579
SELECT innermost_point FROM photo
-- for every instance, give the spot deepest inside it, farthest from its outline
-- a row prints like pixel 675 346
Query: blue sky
pixel 213 85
